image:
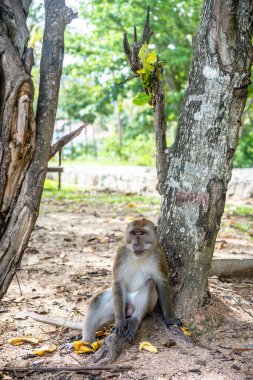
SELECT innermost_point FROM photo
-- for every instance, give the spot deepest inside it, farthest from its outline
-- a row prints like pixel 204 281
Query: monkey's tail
pixel 56 321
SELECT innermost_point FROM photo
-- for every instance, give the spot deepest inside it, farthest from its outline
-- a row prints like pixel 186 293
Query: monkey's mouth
pixel 138 251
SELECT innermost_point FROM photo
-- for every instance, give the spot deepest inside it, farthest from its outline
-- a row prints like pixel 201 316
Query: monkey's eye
pixel 137 233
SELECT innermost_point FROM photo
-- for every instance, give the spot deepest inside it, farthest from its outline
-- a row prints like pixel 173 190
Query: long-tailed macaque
pixel 140 278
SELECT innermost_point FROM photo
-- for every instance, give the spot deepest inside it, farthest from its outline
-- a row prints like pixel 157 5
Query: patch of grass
pixel 241 226
pixel 245 210
pixel 76 195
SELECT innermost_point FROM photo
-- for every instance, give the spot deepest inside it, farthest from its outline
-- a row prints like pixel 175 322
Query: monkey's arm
pixel 119 301
pixel 164 291
pixel 165 299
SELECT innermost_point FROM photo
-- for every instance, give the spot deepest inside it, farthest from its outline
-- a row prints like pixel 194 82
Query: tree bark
pixel 25 146
pixel 199 163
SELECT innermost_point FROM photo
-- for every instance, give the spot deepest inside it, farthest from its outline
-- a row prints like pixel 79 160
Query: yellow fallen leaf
pixel 45 350
pixel 24 339
pixel 105 331
pixel 82 347
pixel 148 347
pixel 186 331
pixel 86 347
pixel 131 205
pixel 96 345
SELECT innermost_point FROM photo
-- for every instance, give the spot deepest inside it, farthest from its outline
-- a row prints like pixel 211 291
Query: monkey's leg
pixel 141 302
pixel 100 312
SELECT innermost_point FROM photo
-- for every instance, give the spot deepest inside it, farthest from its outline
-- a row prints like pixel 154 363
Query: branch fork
pixel 158 100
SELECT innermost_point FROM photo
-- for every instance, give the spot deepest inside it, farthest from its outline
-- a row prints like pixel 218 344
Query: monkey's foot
pixel 111 348
pixel 174 322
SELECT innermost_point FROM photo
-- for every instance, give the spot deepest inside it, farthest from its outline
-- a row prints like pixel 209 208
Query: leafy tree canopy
pixel 95 64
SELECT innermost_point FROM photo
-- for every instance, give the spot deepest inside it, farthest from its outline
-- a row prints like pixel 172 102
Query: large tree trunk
pixel 25 146
pixel 199 165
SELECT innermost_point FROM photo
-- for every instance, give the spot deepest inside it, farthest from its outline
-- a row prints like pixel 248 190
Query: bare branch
pixel 132 55
pixel 127 79
pixel 69 15
pixel 57 15
pixel 127 48
pixel 135 35
pixel 147 32
pixel 65 140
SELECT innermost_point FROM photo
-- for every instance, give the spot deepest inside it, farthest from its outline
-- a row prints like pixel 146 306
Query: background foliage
pixel 95 64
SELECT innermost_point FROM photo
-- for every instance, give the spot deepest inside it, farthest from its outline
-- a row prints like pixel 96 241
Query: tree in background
pixel 96 55
pixel 25 140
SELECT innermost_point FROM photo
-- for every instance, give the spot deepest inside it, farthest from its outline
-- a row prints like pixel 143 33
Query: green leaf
pixel 142 52
pixel 150 68
pixel 142 99
pixel 151 58
pixel 142 71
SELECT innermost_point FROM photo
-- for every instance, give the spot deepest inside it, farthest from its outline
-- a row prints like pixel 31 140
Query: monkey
pixel 140 279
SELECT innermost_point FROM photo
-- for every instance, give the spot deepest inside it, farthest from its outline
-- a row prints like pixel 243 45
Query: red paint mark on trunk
pixel 193 198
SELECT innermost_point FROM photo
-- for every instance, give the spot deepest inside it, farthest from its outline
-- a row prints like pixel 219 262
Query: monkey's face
pixel 141 238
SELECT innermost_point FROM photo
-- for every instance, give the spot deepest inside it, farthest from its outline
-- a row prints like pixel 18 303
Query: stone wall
pixel 139 179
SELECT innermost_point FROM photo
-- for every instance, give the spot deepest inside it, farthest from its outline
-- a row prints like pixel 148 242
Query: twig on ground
pixel 19 285
pixel 80 368
pixel 239 349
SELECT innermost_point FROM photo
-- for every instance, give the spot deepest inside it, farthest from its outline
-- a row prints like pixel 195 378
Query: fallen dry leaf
pixel 148 347
pixel 105 331
pixel 24 339
pixel 45 350
pixel 86 347
pixel 186 331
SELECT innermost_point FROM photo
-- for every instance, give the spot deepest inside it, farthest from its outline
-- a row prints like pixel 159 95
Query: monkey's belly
pixel 129 310
pixel 130 301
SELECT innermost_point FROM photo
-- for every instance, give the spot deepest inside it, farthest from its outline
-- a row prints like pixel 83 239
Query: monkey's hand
pixel 173 321
pixel 127 329
pixel 131 329
pixel 120 327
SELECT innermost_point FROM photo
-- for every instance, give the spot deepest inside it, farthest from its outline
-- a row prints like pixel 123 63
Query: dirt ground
pixel 69 259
